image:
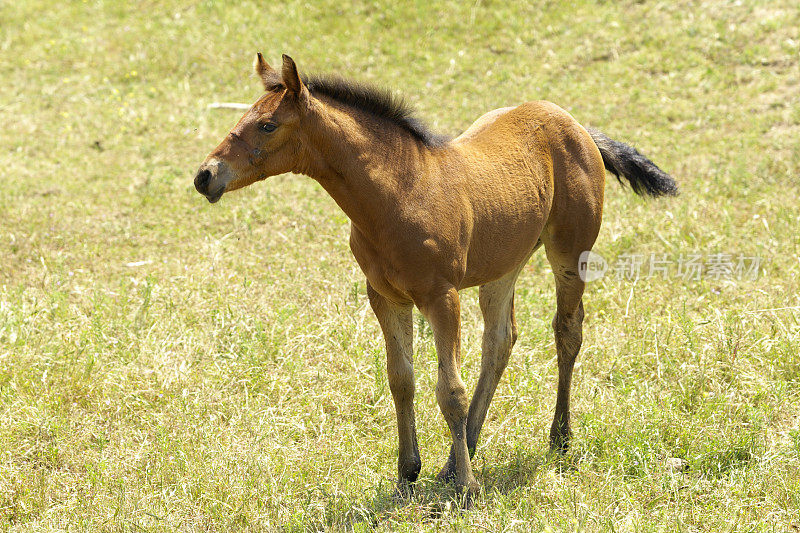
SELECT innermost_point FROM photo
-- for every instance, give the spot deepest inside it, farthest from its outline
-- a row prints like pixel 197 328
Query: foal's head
pixel 265 142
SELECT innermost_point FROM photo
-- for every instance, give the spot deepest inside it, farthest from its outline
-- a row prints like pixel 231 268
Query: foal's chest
pixel 379 272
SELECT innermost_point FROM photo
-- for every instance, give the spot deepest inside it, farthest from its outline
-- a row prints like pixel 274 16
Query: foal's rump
pixel 531 169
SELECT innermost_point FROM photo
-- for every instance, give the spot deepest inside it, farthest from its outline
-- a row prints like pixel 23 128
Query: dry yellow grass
pixel 170 365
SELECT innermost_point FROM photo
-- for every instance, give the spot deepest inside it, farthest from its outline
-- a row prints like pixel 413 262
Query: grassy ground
pixel 167 365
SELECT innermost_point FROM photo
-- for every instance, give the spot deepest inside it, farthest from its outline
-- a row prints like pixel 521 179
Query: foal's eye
pixel 268 127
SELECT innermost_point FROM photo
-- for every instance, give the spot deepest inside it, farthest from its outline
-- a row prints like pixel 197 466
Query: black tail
pixel 645 177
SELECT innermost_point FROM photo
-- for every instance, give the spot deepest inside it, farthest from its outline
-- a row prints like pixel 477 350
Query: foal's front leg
pixel 397 326
pixel 499 336
pixel 444 314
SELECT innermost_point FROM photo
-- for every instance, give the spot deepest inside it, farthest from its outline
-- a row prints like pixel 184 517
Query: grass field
pixel 166 364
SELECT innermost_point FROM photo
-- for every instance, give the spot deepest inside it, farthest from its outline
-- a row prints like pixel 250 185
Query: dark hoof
pixel 403 490
pixel 469 493
pixel 447 474
pixel 407 473
pixel 559 441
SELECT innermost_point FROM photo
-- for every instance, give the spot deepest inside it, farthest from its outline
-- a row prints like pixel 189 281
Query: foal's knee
pixel 453 401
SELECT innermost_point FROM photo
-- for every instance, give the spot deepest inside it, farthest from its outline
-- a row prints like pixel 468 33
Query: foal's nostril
pixel 202 180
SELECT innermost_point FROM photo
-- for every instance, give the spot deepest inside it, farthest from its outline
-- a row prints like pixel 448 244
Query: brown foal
pixel 431 216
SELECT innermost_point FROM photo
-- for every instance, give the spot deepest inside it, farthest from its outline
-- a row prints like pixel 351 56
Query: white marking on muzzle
pixel 221 174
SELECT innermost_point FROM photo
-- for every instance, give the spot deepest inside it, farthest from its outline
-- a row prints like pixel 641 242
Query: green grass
pixel 234 379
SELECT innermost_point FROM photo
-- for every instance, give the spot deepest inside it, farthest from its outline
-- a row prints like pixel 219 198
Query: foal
pixel 430 216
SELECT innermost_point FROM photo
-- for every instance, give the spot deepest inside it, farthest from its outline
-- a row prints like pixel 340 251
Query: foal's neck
pixel 363 162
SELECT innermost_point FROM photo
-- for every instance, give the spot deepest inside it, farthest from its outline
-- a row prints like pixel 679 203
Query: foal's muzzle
pixel 209 182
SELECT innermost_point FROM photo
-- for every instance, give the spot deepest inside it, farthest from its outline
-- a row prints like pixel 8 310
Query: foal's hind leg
pixel 571 229
pixel 397 326
pixel 499 335
pixel 568 327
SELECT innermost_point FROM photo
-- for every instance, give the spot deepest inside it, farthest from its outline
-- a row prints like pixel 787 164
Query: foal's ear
pixel 291 78
pixel 269 76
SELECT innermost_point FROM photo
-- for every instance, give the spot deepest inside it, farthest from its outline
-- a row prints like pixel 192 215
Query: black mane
pixel 376 101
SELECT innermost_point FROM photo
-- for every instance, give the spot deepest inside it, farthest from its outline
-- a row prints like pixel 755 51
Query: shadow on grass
pixel 522 469
pixel 385 507
pixel 431 501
